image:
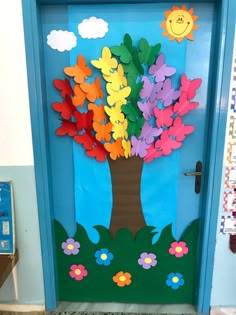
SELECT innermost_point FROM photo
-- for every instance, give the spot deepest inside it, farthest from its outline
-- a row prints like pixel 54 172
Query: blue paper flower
pixel 103 257
pixel 174 280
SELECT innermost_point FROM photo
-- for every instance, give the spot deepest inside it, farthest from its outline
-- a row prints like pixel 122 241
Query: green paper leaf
pixel 131 111
pixel 147 54
pixel 134 128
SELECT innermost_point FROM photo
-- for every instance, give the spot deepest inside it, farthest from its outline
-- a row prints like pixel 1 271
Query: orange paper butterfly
pixel 80 96
pixel 103 132
pixel 80 71
pixel 115 149
pixel 92 90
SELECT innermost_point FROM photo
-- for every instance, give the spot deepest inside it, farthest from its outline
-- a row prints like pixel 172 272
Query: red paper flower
pixel 179 249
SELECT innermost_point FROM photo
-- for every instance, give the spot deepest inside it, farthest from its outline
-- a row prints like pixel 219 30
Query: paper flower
pixel 178 249
pixel 78 272
pixel 122 278
pixel 103 257
pixel 174 280
pixel 147 260
pixel 70 247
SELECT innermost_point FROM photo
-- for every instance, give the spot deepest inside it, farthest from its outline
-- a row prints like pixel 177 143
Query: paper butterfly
pixel 134 128
pixel 120 130
pixel 164 117
pixel 178 131
pixel 103 131
pixel 131 111
pixel 148 133
pixel 66 108
pixel 152 153
pixel 139 147
pixel 67 128
pixel 167 94
pixel 92 90
pixel 106 63
pixel 115 114
pixel 84 121
pixel 125 50
pixel 147 108
pixel 126 144
pixel 160 71
pixel 116 79
pixel 147 54
pixel 150 90
pixel 189 86
pixel 98 112
pixel 80 71
pixel 117 96
pixel 166 144
pixel 80 96
pixel 63 86
pixel 183 106
pixel 115 149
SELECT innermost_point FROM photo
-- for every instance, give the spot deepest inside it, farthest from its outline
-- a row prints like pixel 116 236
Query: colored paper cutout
pixel 122 278
pixel 147 54
pixel 183 106
pixel 115 149
pixel 164 117
pixel 126 144
pixel 61 40
pixel 64 87
pixel 119 96
pixel 120 130
pixel 159 70
pixel 106 63
pixel 98 112
pixel 92 90
pixel 147 260
pixel 79 71
pixel 67 128
pixel 103 132
pixel 84 120
pixel 93 28
pixel 149 133
pixel 139 147
pixel 150 89
pixel 66 108
pixel 80 96
pixel 125 50
pixel 167 94
pixel 189 86
pixel 116 78
pixel 179 23
pixel 115 114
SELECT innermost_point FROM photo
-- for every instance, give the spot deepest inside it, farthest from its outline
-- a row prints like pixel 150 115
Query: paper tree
pixel 139 114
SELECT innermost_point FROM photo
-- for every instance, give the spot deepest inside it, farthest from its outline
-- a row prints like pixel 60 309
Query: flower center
pixel 77 272
pixel 122 278
pixel 70 246
pixel 178 249
pixel 148 260
pixel 103 256
pixel 175 279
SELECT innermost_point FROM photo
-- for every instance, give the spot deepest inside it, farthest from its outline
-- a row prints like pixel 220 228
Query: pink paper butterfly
pixel 152 153
pixel 178 131
pixel 166 144
pixel 160 71
pixel 183 106
pixel 189 86
pixel 164 117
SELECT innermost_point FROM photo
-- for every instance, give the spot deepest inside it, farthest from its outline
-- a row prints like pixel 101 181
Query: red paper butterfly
pixel 66 108
pixel 67 127
pixel 84 121
pixel 63 86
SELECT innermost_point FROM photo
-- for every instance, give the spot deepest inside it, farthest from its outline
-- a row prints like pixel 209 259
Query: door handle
pixel 197 174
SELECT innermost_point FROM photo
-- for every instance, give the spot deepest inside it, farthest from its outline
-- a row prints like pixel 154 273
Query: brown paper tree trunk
pixel 126 209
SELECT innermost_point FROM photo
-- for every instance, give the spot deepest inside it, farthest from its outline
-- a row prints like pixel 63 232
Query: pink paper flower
pixel 78 272
pixel 178 249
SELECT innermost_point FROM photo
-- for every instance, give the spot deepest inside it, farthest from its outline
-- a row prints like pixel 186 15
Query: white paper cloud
pixel 93 28
pixel 61 40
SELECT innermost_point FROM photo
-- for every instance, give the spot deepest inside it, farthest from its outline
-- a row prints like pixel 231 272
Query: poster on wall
pixel 7 234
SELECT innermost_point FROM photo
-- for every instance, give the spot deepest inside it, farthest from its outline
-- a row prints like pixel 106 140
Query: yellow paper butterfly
pixel 115 114
pixel 116 78
pixel 126 144
pixel 117 96
pixel 120 130
pixel 106 63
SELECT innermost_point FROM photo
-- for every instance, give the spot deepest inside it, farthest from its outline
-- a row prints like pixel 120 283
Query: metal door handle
pixel 193 174
pixel 197 174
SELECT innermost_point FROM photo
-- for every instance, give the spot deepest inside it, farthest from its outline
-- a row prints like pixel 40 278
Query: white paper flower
pixel 93 28
pixel 61 40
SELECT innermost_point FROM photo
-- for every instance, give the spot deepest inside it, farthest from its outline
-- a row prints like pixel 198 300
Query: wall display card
pixel 7 235
pixel 233 99
pixel 229 203
pixel 228 225
pixel 230 177
pixel 231 153
pixel 232 127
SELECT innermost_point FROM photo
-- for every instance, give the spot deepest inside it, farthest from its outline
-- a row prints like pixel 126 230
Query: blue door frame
pixel 224 39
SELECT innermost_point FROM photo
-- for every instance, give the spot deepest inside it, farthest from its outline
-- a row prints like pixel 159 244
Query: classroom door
pixel 133 99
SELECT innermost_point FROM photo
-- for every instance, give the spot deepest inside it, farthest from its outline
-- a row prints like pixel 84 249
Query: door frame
pixel 224 40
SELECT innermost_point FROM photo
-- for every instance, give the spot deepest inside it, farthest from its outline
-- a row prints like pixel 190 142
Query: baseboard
pixel 21 308
pixel 223 311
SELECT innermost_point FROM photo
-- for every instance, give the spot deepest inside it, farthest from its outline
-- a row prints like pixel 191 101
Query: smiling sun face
pixel 179 23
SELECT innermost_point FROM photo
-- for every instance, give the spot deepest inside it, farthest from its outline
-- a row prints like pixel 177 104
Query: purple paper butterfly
pixel 150 89
pixel 167 94
pixel 159 71
pixel 149 133
pixel 139 147
pixel 147 108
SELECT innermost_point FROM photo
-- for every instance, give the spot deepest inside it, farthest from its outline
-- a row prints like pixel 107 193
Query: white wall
pixel 16 159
